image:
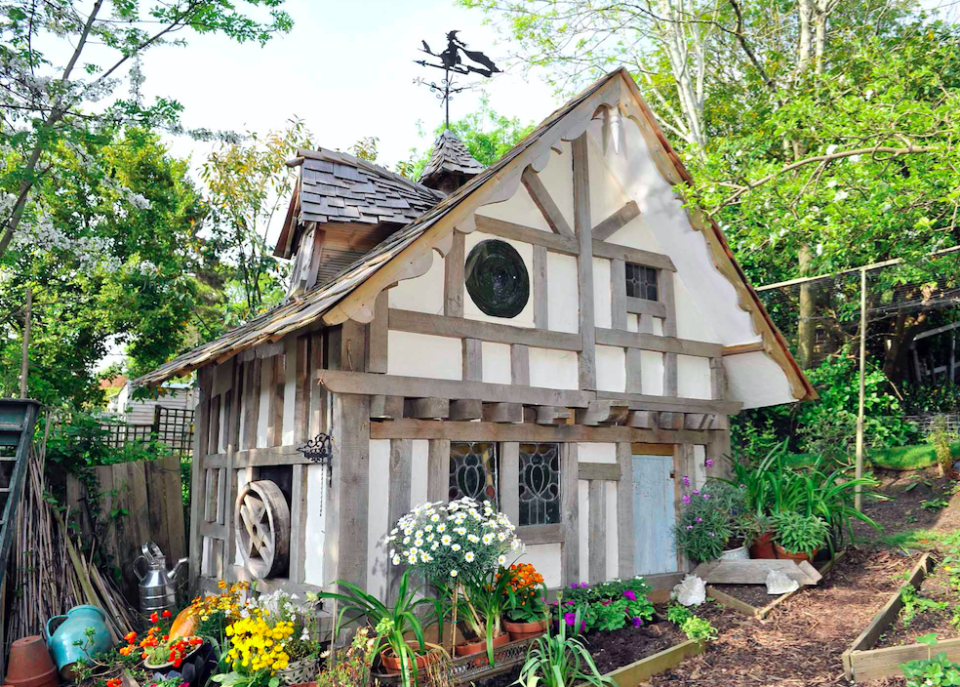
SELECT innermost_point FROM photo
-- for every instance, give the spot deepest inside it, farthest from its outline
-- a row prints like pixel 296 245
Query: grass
pixel 908 457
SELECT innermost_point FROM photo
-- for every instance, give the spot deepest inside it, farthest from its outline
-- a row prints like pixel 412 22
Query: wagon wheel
pixel 262 521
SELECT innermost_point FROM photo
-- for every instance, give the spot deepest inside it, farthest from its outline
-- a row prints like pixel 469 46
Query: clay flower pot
pixel 480 646
pixel 799 557
pixel 391 662
pixel 520 631
pixel 30 664
pixel 762 547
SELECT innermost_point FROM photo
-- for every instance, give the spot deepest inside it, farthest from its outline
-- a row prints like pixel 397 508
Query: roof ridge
pixel 347 159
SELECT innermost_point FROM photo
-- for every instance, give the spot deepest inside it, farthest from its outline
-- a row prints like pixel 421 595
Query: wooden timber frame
pixel 330 375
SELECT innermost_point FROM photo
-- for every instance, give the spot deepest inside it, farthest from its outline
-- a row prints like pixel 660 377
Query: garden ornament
pixel 779 583
pixel 691 592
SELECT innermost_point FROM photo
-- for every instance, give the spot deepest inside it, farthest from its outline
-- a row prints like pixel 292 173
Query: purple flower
pixel 573 585
pixel 686 498
pixel 606 603
pixel 584 585
pixel 699 520
pixel 689 527
pixel 743 486
pixel 706 497
pixel 570 618
pixel 696 492
pixel 630 594
pixel 570 603
pixel 709 462
pixel 583 625
pixel 686 481
pixel 637 621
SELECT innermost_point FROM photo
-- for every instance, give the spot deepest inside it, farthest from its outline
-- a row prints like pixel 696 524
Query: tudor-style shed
pixel 555 332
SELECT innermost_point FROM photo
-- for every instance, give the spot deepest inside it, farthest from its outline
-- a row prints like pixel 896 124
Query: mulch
pixel 802 640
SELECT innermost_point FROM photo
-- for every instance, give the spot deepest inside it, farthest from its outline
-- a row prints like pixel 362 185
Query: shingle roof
pixel 449 156
pixel 337 187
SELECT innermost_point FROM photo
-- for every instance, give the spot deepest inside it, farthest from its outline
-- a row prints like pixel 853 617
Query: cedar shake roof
pixel 449 156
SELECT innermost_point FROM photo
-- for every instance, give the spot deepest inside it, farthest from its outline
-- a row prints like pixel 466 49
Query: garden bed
pixel 752 599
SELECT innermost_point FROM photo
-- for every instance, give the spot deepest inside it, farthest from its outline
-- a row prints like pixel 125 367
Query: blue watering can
pixel 69 641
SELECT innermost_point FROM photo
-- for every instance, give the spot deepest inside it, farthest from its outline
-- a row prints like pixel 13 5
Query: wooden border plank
pixel 641 671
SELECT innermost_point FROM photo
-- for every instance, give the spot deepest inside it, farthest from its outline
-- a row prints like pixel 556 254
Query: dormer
pixel 451 165
pixel 341 208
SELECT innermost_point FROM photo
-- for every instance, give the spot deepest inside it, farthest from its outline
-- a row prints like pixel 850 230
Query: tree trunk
pixel 806 329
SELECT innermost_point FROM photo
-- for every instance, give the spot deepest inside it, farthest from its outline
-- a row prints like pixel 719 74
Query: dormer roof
pixel 450 158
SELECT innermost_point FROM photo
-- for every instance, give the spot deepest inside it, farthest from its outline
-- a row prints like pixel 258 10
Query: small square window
pixel 641 282
pixel 473 471
pixel 539 484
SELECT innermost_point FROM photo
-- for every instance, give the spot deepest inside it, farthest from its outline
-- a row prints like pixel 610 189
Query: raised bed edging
pixel 640 671
pixel 860 662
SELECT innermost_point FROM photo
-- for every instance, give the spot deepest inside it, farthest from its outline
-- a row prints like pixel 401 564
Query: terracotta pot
pixel 185 624
pixel 799 557
pixel 481 646
pixel 762 547
pixel 520 631
pixel 391 662
pixel 30 664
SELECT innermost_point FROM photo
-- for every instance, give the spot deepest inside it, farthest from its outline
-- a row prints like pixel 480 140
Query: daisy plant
pixel 461 545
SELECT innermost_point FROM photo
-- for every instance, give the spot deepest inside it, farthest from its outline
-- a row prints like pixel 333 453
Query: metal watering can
pixel 158 586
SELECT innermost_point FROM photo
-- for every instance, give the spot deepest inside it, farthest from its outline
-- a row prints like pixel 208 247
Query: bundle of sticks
pixel 49 572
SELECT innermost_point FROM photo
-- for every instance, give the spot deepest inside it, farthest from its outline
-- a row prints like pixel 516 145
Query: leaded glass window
pixel 473 471
pixel 539 484
pixel 641 282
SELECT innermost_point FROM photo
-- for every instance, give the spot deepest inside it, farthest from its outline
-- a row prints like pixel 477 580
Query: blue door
pixel 653 515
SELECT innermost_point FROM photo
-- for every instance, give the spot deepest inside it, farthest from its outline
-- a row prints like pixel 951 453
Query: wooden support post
pixel 618 291
pixel 597 531
pixel 625 533
pixel 584 228
pixel 569 507
pixel 472 360
pixel 398 499
pixel 510 481
pixel 453 278
pixel 198 474
pixel 540 291
pixel 718 381
pixel 438 470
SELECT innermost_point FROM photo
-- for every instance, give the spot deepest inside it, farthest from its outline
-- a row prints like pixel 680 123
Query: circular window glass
pixel 497 279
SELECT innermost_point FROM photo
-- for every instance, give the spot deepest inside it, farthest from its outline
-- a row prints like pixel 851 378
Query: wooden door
pixel 653 515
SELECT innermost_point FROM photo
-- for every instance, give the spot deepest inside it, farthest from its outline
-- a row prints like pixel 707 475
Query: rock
pixel 655 630
pixel 691 592
pixel 778 583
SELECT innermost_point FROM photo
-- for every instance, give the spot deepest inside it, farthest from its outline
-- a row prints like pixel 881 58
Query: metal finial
pixel 451 61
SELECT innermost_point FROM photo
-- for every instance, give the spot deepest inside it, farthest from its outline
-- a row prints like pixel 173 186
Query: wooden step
pixel 11 427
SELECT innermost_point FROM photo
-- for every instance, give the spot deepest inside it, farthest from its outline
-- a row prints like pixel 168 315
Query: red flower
pixel 154 618
pixel 177 662
pixel 167 614
pixel 131 637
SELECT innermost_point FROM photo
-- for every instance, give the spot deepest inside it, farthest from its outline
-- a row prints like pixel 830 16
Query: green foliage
pixel 606 606
pixel 798 533
pixel 937 671
pixel 914 604
pixel 678 614
pixel 351 666
pixel 942 439
pixel 556 660
pixel 699 629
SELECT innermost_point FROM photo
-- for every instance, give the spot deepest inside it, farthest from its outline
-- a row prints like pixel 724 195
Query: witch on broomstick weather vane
pixel 451 61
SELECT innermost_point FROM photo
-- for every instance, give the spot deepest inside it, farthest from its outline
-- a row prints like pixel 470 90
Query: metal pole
pixel 25 358
pixel 858 497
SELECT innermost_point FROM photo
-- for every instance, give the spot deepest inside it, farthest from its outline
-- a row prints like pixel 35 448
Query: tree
pixel 247 183
pixel 44 106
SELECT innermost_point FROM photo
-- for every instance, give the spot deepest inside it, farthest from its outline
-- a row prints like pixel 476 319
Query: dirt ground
pixel 801 641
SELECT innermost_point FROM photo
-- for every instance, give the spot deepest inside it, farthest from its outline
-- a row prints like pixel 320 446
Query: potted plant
pixel 798 537
pixel 303 646
pixel 254 651
pixel 158 649
pixel 714 523
pixel 350 667
pixel 390 624
pixel 527 615
pixel 461 546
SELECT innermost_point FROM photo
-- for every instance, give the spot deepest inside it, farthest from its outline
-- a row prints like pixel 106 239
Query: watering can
pixel 158 586
pixel 81 634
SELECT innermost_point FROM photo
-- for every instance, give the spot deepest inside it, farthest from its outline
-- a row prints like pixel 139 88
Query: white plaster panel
pixel 558 179
pixel 546 558
pixel 496 362
pixel 423 293
pixel 613 543
pixel 657 325
pixel 699 466
pixel 563 293
pixel 611 368
pixel 634 234
pixel 554 369
pixel 315 534
pixel 470 309
pixel 693 376
pixel 520 209
pixel 633 322
pixel 377 526
pixel 266 381
pixel 289 395
pixel 423 355
pixel 691 324
pixel 597 453
pixel 651 372
pixel 756 380
pixel 602 296
pixel 583 504
pixel 606 196
pixel 419 451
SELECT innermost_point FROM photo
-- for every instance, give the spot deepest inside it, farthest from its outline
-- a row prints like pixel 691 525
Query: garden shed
pixel 555 333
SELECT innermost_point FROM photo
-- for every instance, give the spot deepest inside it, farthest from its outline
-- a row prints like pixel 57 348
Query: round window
pixel 497 279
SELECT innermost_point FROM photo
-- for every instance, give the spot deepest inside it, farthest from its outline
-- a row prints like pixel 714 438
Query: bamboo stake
pixel 858 496
pixel 453 623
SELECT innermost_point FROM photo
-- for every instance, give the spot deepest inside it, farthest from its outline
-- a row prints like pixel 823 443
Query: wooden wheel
pixel 262 521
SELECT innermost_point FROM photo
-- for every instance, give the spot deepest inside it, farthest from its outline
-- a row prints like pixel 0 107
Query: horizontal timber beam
pixel 496 431
pixel 418 387
pixel 666 404
pixel 562 244
pixel 460 328
pixel 652 342
pixel 641 306
pixel 605 471
pixel 532 535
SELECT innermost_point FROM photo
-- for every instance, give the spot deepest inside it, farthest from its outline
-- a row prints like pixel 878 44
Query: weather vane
pixel 451 61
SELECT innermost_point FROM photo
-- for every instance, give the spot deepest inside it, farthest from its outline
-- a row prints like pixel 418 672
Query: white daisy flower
pixel 453 573
pixel 434 546
pixel 469 556
pixel 455 547
pixel 395 559
pixel 435 518
pixel 406 540
pixel 487 538
pixel 502 559
pixel 473 539
pixel 418 542
pixel 441 527
pixel 501 536
pixel 445 540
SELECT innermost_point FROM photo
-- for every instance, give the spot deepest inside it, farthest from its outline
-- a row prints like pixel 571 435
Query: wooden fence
pixel 135 503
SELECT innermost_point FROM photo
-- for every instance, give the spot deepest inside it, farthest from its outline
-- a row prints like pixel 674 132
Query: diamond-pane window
pixel 539 484
pixel 641 282
pixel 473 471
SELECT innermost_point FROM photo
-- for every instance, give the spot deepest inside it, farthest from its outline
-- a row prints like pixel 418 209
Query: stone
pixel 655 630
pixel 779 583
pixel 691 592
